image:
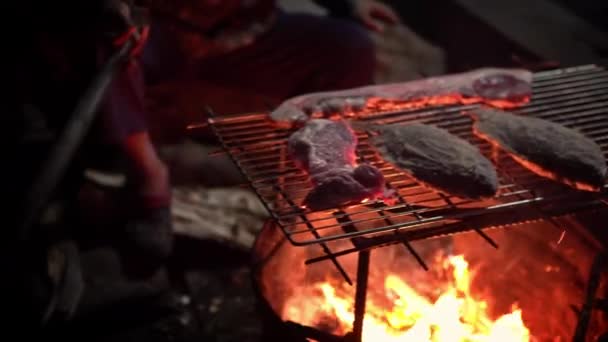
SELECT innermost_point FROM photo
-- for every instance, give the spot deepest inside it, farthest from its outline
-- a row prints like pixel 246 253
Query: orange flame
pixel 409 316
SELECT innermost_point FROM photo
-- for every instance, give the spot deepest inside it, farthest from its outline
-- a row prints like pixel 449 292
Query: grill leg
pixel 599 264
pixel 361 294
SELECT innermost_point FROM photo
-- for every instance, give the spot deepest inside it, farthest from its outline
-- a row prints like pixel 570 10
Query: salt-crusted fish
pixel 544 147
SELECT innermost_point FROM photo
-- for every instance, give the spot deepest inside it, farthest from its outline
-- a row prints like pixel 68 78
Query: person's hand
pixel 374 14
pixel 123 26
pixel 139 35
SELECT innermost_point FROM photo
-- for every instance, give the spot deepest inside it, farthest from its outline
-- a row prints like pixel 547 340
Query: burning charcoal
pixel 438 159
pixel 548 149
pixel 326 150
pixel 502 88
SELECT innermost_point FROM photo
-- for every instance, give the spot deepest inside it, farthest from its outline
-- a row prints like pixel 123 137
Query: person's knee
pixel 354 53
pixel 354 40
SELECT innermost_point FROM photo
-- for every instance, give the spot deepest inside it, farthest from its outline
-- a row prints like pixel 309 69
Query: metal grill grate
pixel 575 97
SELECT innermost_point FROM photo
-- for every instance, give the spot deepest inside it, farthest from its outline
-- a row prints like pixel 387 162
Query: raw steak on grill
pixel 325 149
pixel 437 159
pixel 546 148
pixel 503 88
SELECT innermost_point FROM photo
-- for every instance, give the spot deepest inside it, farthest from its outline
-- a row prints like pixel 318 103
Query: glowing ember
pixel 382 104
pixel 406 315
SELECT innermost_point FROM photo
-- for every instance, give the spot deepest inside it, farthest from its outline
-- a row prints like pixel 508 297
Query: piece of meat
pixel 325 149
pixel 501 88
pixel 437 159
pixel 544 147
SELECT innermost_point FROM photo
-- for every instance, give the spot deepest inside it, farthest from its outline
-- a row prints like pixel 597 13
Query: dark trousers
pixel 300 54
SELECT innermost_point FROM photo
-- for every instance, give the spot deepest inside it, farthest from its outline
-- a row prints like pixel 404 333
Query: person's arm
pixel 373 14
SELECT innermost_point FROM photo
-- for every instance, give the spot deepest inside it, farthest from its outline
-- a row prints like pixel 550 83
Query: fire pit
pixel 527 290
pixel 439 275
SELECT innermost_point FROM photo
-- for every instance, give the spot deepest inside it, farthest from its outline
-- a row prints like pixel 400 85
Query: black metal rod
pixel 502 220
pixel 361 294
pixel 388 221
pixel 333 258
pixel 601 304
pixel 415 255
pixel 486 237
pixel 308 332
pixel 62 152
pixel 323 245
pixel 599 265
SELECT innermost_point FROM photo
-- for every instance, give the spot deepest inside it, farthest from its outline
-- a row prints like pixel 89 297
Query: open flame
pixel 404 314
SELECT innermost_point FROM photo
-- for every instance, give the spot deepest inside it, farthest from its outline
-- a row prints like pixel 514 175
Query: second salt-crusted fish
pixel 438 159
pixel 544 147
